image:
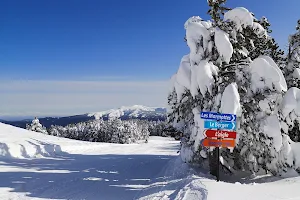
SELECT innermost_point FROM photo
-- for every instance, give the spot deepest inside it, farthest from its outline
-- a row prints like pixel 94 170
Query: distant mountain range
pixel 124 113
pixel 132 112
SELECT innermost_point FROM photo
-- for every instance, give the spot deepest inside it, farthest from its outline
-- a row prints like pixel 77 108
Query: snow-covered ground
pixel 34 165
pixel 37 166
pixel 184 183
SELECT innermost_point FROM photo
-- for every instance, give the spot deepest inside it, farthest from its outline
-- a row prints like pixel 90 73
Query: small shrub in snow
pixel 36 126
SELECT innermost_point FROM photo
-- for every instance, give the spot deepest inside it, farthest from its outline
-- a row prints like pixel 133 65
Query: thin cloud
pixel 28 98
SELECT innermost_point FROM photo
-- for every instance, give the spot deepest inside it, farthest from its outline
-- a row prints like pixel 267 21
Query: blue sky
pixel 105 40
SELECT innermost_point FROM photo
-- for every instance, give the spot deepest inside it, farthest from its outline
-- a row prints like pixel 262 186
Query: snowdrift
pixel 20 143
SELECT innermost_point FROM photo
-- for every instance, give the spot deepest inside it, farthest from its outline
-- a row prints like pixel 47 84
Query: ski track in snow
pixel 97 174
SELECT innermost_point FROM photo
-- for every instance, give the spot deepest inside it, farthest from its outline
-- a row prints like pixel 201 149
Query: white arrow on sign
pixel 233 118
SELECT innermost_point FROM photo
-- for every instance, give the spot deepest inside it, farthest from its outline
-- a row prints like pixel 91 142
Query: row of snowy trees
pixel 235 66
pixel 114 130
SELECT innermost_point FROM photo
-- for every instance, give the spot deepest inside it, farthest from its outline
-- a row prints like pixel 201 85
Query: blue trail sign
pixel 219 125
pixel 218 116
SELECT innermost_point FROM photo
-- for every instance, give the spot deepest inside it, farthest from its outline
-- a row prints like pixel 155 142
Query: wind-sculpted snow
pixel 20 143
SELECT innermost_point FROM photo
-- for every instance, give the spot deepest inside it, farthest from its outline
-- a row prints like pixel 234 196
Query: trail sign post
pixel 220 132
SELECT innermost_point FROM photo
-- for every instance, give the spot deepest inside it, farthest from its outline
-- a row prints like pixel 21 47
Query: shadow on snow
pixel 75 176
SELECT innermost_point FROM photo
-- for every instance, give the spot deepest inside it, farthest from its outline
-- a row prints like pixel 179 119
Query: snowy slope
pixel 136 111
pixel 20 143
pixel 78 170
pixel 72 169
pixel 17 143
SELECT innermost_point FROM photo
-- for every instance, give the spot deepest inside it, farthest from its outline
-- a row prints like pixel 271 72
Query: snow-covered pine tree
pixel 101 130
pixel 290 116
pixel 53 130
pixel 143 129
pixel 195 82
pixel 116 130
pixel 292 69
pixel 127 135
pixel 264 43
pixel 222 73
pixel 257 93
pixel 36 126
pixel 157 128
pixel 260 95
pixel 216 10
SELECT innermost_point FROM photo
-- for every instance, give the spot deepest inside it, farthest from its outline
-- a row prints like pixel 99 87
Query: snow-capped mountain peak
pixel 135 111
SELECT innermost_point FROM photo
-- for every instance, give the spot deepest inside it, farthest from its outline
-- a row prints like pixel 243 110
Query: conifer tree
pixel 292 69
pixel 226 55
pixel 292 75
pixel 36 126
pixel 264 44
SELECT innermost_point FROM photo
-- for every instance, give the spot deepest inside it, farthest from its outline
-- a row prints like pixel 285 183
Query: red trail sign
pixel 209 142
pixel 220 134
